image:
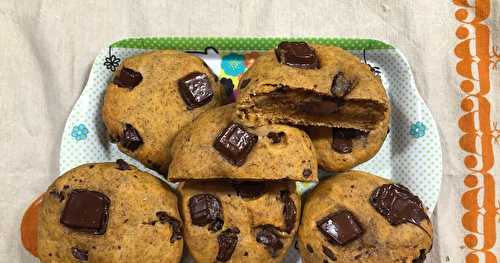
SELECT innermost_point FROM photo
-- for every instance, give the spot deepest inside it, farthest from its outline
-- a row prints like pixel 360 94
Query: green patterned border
pixel 243 43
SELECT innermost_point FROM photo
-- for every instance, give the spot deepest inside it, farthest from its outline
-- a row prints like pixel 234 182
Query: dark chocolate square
pixel 234 143
pixel 340 227
pixel 195 89
pixel 297 54
pixel 128 78
pixel 86 211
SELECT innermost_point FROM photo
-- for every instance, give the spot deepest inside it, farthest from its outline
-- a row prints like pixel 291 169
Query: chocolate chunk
pixel 342 139
pixel 206 209
pixel 80 254
pixel 341 86
pixel 275 137
pixel 131 139
pixel 420 258
pixel 127 78
pixel 297 54
pixel 340 227
pixel 86 211
pixel 268 236
pixel 309 248
pixel 174 223
pixel 227 239
pixel 289 211
pixel 195 89
pixel 306 173
pixel 244 83
pixel 234 143
pixel 397 204
pixel 249 189
pixel 329 253
pixel 122 165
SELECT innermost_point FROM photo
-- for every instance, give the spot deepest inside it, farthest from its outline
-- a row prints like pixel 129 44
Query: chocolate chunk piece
pixel 206 209
pixel 276 137
pixel 397 204
pixel 174 223
pixel 341 86
pixel 329 253
pixel 310 249
pixel 195 89
pixel 340 227
pixel 244 83
pixel 306 173
pixel 421 258
pixel 131 139
pixel 80 254
pixel 127 78
pixel 122 165
pixel 86 211
pixel 234 143
pixel 297 54
pixel 268 236
pixel 249 189
pixel 342 139
pixel 227 239
pixel 289 211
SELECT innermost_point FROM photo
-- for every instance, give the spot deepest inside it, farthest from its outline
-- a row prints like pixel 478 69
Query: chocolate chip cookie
pixel 315 85
pixel 228 221
pixel 214 146
pixel 359 217
pixel 109 212
pixel 340 149
pixel 151 97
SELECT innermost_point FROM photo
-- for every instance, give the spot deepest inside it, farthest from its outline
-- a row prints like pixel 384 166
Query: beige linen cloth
pixel 48 46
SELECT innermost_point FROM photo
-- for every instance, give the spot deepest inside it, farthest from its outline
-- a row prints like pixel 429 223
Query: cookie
pixel 359 217
pixel 239 221
pixel 151 97
pixel 109 212
pixel 340 149
pixel 311 85
pixel 214 146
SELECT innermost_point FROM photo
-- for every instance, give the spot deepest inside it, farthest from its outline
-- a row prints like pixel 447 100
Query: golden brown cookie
pixel 151 97
pixel 214 147
pixel 340 149
pixel 251 222
pixel 359 217
pixel 109 212
pixel 311 85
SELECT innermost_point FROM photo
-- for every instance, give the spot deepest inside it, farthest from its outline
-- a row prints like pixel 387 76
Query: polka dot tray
pixel 410 155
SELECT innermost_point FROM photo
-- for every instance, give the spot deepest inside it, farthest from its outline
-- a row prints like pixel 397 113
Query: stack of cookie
pixel 301 107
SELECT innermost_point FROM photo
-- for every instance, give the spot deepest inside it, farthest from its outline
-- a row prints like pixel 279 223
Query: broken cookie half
pixel 311 85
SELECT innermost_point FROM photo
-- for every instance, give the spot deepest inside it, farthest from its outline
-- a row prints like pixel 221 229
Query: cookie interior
pixel 299 106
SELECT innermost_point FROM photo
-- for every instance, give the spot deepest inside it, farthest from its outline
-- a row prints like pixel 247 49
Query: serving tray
pixel 411 154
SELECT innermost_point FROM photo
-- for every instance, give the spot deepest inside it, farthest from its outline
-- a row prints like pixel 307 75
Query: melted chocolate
pixel 398 205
